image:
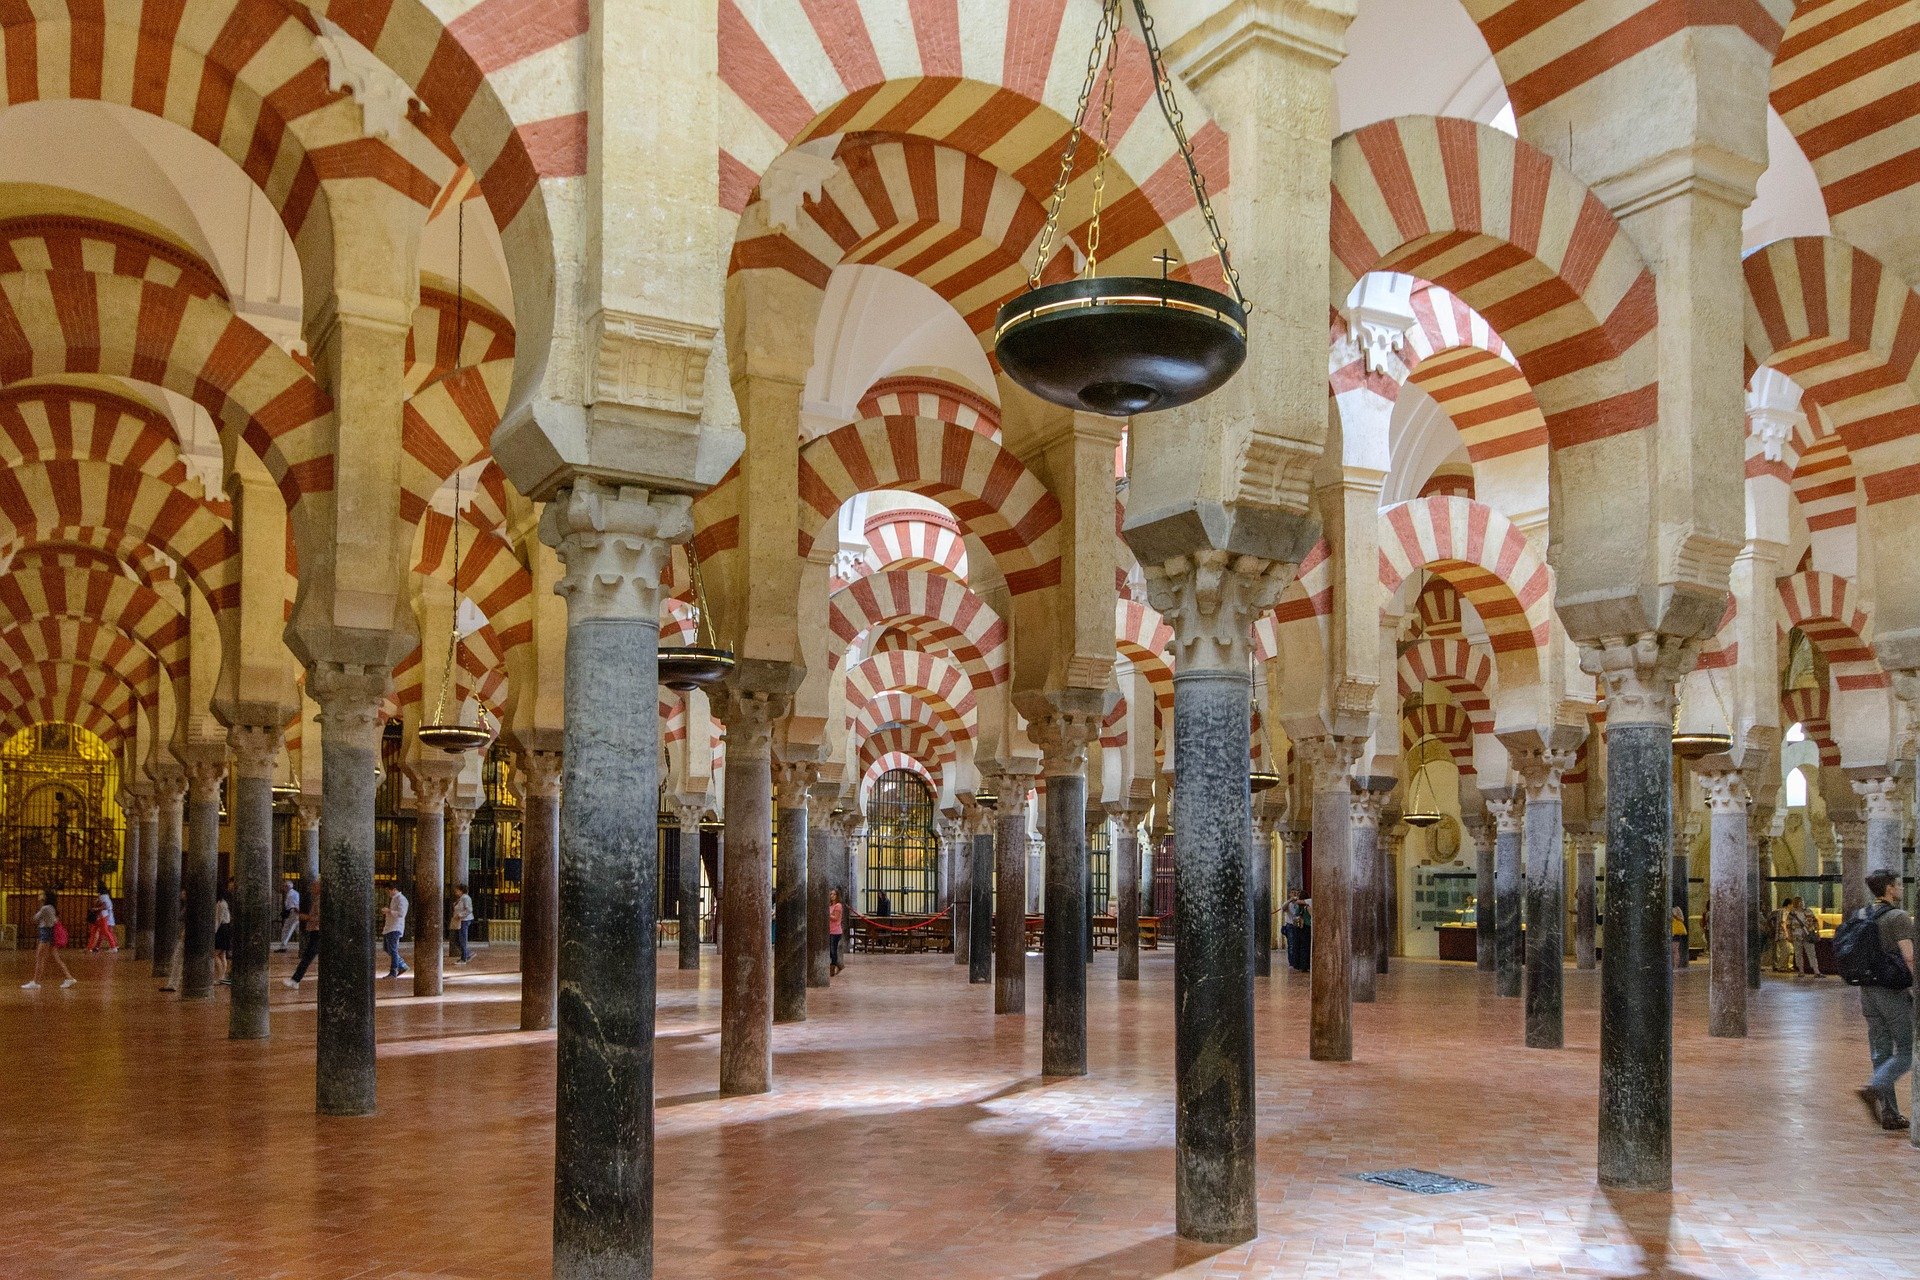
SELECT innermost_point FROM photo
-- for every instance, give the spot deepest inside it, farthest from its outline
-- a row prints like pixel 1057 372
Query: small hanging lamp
pixel 453 735
pixel 1121 345
pixel 1698 745
pixel 686 667
pixel 1262 781
pixel 1420 816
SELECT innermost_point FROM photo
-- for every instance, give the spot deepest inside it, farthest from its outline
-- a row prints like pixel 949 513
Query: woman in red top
pixel 836 925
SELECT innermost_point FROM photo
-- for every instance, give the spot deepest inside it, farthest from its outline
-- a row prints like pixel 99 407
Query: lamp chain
pixel 1107 30
pixel 453 625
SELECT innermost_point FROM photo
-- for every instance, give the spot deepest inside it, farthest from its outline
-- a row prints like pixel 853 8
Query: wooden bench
pixel 1106 933
pixel 903 935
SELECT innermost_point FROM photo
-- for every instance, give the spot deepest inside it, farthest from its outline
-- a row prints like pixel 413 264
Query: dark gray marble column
pixel 1010 890
pixel 820 857
pixel 1260 864
pixel 1727 868
pixel 1293 855
pixel 163 819
pixel 1486 953
pixel 309 826
pixel 614 544
pixel 1126 879
pixel 256 904
pixel 460 811
pixel 128 915
pixel 1509 958
pixel 746 894
pixel 848 827
pixel 1393 837
pixel 1585 912
pixel 1544 848
pixel 1759 819
pixel 1330 1037
pixel 540 779
pixel 688 810
pixel 1880 800
pixel 980 910
pixel 432 783
pixel 1369 799
pixel 200 872
pixel 1636 984
pixel 349 699
pixel 1850 835
pixel 793 778
pixel 148 816
pixel 1062 733
pixel 957 839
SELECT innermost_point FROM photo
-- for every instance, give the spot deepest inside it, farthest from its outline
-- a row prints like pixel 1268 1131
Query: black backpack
pixel 1864 961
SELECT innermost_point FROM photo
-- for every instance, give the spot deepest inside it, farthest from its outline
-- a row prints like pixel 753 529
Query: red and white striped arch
pixel 1520 240
pixel 1464 670
pixel 61 242
pixel 1444 722
pixel 910 538
pixel 942 611
pixel 934 679
pixel 1722 651
pixel 112 600
pixel 115 550
pixel 914 395
pixel 1826 609
pixel 896 706
pixel 45 639
pixel 1809 708
pixel 491 572
pixel 41 422
pixel 1143 638
pixel 96 698
pixel 877 765
pixel 459 368
pixel 1307 601
pixel 1826 485
pixel 1483 555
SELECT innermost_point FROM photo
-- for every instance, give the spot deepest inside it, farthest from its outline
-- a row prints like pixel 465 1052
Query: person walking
pixel 1803 934
pixel 393 922
pixel 289 916
pixel 462 922
pixel 100 935
pixel 1679 923
pixel 309 935
pixel 836 928
pixel 1886 995
pixel 223 937
pixel 52 936
pixel 1293 930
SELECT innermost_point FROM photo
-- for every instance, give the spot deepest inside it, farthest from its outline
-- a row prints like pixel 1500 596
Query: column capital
pixel 1880 796
pixel 1062 734
pixel 431 788
pixel 1211 598
pixel 1365 807
pixel 460 813
pixel 255 747
pixel 1638 673
pixel 1726 791
pixel 308 807
pixel 1507 813
pixel 539 773
pixel 614 541
pixel 978 818
pixel 949 829
pixel 688 811
pixel 749 716
pixel 349 696
pixel 206 769
pixel 1540 770
pixel 1011 780
pixel 793 781
pixel 1331 759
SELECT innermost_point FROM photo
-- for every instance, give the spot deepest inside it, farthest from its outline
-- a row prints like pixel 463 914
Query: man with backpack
pixel 1875 953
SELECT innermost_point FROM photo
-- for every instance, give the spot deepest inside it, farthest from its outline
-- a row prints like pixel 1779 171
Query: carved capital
pixel 1726 791
pixel 1879 796
pixel 255 747
pixel 793 781
pixel 1062 737
pixel 1638 673
pixel 1507 813
pixel 1540 770
pixel 349 698
pixel 1211 599
pixel 614 542
pixel 749 717
pixel 308 808
pixel 1331 759
pixel 431 788
pixel 1363 811
pixel 538 773
pixel 979 818
pixel 1012 783
pixel 459 818
pixel 688 811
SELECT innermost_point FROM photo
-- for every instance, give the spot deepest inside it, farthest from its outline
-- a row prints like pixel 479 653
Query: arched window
pixel 900 846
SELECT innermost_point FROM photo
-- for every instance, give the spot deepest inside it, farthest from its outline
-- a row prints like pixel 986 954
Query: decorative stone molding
pixel 349 698
pixel 430 790
pixel 793 781
pixel 794 176
pixel 650 362
pixel 688 811
pixel 1364 809
pixel 1211 599
pixel 538 773
pixel 384 98
pixel 1773 428
pixel 1726 791
pixel 1638 674
pixel 1012 783
pixel 1541 770
pixel 1507 813
pixel 307 809
pixel 204 776
pixel 978 817
pixel 1880 797
pixel 1330 760
pixel 614 542
pixel 256 748
pixel 749 717
pixel 459 819
pixel 1062 737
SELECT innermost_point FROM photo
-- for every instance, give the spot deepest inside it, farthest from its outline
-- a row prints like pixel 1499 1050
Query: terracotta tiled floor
pixel 909 1135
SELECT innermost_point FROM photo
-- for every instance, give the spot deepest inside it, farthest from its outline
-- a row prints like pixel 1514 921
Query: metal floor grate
pixel 1419 1180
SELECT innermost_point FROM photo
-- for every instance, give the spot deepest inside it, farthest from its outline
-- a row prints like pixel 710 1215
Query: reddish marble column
pixel 746 893
pixel 539 786
pixel 1727 863
pixel 432 783
pixel 1330 1037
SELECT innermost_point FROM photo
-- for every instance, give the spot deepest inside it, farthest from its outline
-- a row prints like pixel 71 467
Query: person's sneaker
pixel 1894 1120
pixel 289 982
pixel 1876 1105
pixel 71 982
pixel 29 986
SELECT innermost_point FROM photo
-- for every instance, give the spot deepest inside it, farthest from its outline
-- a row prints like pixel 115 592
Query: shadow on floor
pixel 1148 1259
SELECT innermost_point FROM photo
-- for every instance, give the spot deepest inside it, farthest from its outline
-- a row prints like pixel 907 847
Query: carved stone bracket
pixel 614 542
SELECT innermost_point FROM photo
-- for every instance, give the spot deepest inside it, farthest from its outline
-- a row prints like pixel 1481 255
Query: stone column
pixel 349 701
pixel 1330 1038
pixel 1126 878
pixel 822 850
pixel 1486 948
pixel 147 814
pixel 1010 888
pixel 1392 841
pixel 1210 598
pixel 1293 859
pixel 308 808
pixel 793 779
pixel 1261 868
pixel 1727 874
pixel 956 836
pixel 687 811
pixel 541 816
pixel 1062 735
pixel 746 894
pixel 1364 813
pixel 1637 678
pixel 847 828
pixel 1880 799
pixel 432 783
pixel 128 918
pixel 1509 961
pixel 460 811
pixel 164 818
pixel 1759 821
pixel 1850 835
pixel 256 905
pixel 1544 847
pixel 200 873
pixel 1585 913
pixel 980 827
pixel 614 545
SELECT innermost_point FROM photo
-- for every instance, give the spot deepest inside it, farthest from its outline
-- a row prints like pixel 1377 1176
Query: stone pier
pixel 792 780
pixel 1727 912
pixel 746 894
pixel 256 905
pixel 1509 956
pixel 200 872
pixel 540 775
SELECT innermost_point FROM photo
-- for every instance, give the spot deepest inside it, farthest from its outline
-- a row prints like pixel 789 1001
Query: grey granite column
pixel 128 917
pixel 256 904
pixel 822 850
pixel 165 822
pixel 981 821
pixel 433 781
pixel 1728 866
pixel 349 699
pixel 541 815
pixel 200 872
pixel 1486 949
pixel 148 816
pixel 1637 678
pixel 1369 799
pixel 1585 913
pixel 1759 820
pixel 793 778
pixel 1544 848
pixel 687 812
pixel 1850 839
pixel 1509 958
pixel 460 811
pixel 614 544
pixel 1880 800
pixel 1062 732
pixel 847 828
pixel 956 835
pixel 1260 865
pixel 746 894
pixel 1330 1037
pixel 308 808
pixel 1126 879
pixel 1393 839
pixel 1010 888
pixel 1293 859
